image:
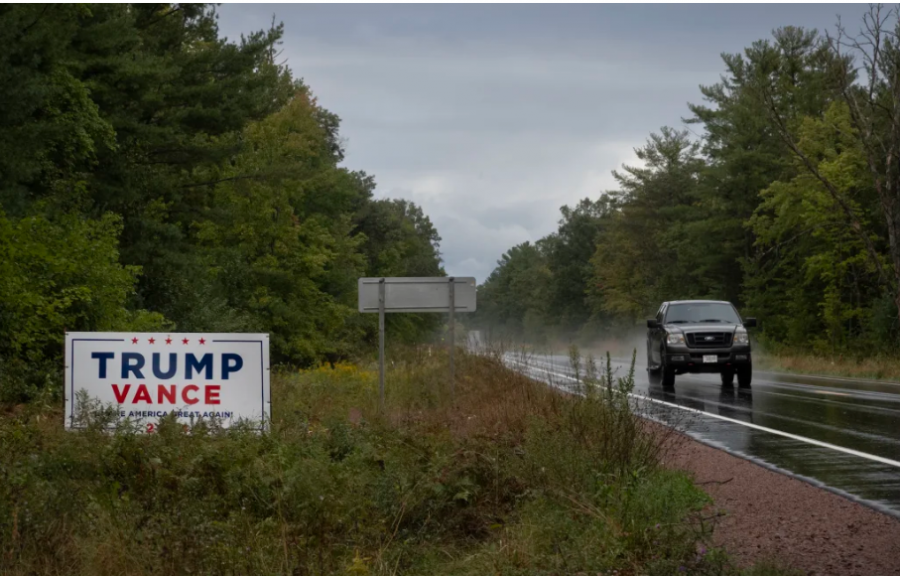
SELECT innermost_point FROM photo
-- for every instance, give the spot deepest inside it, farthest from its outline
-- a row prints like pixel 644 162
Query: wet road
pixel 782 422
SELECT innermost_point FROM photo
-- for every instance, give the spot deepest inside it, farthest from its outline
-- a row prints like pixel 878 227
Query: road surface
pixel 839 433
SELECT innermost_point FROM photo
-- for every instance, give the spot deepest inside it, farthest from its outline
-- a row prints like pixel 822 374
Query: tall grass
pixel 876 366
pixel 508 477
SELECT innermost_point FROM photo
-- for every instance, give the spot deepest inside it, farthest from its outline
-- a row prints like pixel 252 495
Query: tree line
pixel 781 194
pixel 155 176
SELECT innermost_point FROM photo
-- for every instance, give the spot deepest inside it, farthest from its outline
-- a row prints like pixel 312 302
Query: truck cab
pixel 700 337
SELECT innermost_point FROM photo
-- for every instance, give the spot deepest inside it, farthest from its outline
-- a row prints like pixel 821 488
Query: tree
pixel 177 97
pixel 400 239
pixel 637 264
pixel 514 297
pixel 811 270
pixel 745 154
pixel 285 250
pixel 279 258
pixel 51 130
pixel 568 261
pixel 873 108
pixel 199 178
pixel 56 276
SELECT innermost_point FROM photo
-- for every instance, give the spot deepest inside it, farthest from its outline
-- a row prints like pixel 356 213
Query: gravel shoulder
pixel 771 516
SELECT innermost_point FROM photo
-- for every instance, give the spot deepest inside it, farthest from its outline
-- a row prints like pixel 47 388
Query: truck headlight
pixel 741 337
pixel 675 338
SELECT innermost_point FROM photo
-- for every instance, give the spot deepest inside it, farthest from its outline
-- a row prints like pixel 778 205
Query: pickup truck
pixel 699 336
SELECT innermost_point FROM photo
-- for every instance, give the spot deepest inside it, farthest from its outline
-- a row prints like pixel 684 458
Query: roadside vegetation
pixel 883 366
pixel 510 478
pixel 780 194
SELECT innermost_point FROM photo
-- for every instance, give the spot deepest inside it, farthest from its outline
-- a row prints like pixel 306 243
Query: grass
pixel 508 478
pixel 878 367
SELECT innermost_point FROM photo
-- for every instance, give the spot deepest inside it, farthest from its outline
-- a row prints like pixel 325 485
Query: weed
pixel 879 367
pixel 515 478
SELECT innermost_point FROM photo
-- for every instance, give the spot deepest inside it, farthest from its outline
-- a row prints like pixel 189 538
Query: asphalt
pixel 841 434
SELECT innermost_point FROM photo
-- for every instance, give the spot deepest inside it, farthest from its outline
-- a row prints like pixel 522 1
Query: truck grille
pixel 708 339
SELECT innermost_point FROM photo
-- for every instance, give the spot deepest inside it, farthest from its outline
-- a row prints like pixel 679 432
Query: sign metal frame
pixel 450 295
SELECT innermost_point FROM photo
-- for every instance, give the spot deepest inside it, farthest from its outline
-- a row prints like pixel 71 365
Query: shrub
pixel 509 477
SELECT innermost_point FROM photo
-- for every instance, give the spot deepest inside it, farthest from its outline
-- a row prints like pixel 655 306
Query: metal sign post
pixel 408 294
pixel 381 346
pixel 452 337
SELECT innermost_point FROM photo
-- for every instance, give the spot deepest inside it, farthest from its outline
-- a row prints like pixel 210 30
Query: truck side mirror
pixel 750 323
pixel 652 323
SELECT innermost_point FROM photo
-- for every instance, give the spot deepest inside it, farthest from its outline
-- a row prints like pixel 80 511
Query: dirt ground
pixel 771 516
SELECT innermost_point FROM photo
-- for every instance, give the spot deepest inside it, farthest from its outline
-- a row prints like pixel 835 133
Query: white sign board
pixel 149 376
pixel 417 294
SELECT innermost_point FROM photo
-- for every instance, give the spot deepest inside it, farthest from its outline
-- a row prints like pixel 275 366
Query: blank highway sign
pixel 417 294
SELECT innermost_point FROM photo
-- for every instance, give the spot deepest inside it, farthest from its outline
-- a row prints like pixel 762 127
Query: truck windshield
pixel 699 312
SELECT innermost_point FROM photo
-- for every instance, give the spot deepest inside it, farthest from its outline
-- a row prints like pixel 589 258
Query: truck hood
pixel 707 327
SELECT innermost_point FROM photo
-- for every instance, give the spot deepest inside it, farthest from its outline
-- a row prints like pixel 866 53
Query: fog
pixel 619 342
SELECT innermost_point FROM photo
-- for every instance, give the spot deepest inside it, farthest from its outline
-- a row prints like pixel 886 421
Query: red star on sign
pixel 202 341
pixel 152 341
pixel 185 341
pixel 134 340
pixel 168 340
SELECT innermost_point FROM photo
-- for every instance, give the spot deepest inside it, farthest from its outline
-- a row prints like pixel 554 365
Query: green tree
pixel 203 178
pixel 873 106
pixel 513 299
pixel 744 154
pixel 177 97
pixel 637 263
pixel 812 270
pixel 400 240
pixel 282 260
pixel 569 251
pixel 56 276
pixel 51 130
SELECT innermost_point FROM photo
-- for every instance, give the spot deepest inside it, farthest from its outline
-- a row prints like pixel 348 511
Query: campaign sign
pixel 149 376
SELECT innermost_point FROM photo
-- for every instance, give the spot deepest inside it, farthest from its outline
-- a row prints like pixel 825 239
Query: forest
pixel 780 193
pixel 155 176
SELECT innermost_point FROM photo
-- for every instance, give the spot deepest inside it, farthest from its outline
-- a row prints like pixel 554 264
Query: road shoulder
pixel 767 515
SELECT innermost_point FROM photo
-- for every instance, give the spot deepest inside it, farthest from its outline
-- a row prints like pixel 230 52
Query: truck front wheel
pixel 728 377
pixel 745 375
pixel 654 370
pixel 668 373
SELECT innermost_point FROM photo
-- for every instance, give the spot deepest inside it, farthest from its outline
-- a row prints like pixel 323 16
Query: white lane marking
pixel 800 375
pixel 812 441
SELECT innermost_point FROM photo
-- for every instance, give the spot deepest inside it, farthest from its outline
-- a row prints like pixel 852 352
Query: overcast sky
pixel 491 117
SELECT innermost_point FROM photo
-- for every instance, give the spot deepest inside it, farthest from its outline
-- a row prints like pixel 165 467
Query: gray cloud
pixel 491 117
